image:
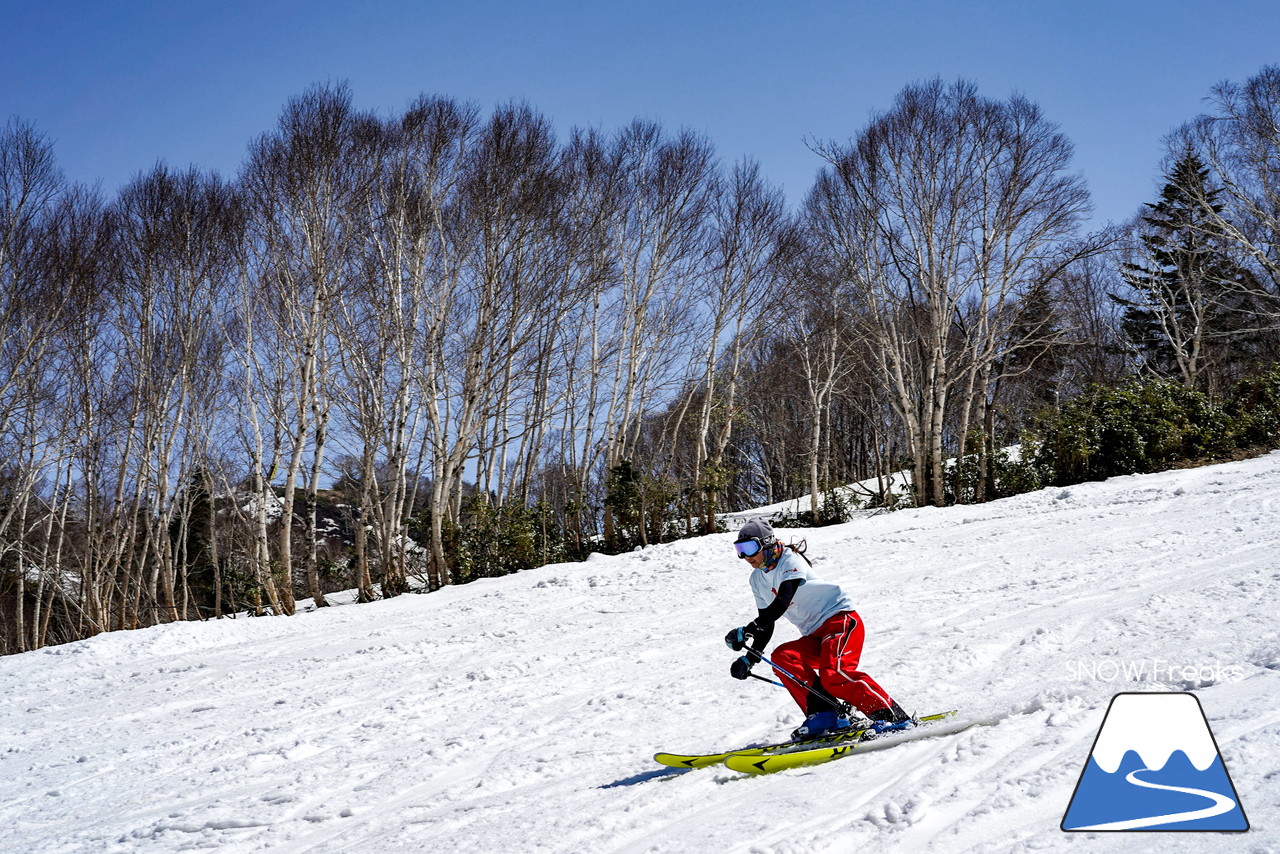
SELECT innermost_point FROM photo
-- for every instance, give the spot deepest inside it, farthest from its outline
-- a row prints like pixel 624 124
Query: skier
pixel 819 669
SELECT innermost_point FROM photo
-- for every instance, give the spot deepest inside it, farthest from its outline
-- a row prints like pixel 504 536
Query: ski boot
pixel 819 724
pixel 891 719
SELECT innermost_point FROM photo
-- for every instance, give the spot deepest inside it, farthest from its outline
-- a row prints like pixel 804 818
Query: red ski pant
pixel 831 654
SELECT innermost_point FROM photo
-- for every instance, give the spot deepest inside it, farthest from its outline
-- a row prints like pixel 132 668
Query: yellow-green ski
pixel 702 760
pixel 843 741
pixel 781 761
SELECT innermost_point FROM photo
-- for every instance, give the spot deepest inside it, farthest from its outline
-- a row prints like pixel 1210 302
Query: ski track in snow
pixel 520 714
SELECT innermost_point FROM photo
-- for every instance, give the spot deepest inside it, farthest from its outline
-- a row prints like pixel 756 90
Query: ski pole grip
pixel 736 639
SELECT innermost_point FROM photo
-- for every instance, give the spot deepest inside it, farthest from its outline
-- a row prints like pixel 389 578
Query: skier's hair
pixel 800 548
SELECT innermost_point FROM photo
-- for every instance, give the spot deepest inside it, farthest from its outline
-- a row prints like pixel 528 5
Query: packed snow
pixel 521 714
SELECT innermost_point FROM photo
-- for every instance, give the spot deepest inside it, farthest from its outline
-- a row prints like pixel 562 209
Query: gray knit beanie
pixel 757 529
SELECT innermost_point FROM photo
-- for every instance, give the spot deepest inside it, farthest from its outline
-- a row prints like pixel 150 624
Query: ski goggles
pixel 748 548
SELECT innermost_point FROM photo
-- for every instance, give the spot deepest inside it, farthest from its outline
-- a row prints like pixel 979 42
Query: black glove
pixel 737 638
pixel 741 667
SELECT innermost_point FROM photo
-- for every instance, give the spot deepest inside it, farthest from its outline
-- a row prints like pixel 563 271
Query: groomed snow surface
pixel 520 714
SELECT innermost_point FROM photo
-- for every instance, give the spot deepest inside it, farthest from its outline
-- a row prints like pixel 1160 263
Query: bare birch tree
pixel 946 200
pixel 1239 140
pixel 657 243
pixel 177 236
pixel 30 184
pixel 306 188
pixel 492 231
pixel 753 240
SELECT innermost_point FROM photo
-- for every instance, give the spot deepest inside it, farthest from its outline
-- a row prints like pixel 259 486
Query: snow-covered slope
pixel 520 714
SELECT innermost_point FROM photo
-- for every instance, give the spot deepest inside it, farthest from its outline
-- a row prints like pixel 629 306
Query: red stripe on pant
pixel 831 654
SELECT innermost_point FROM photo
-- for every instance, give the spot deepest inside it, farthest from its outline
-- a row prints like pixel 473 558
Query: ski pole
pixel 821 695
pixel 765 679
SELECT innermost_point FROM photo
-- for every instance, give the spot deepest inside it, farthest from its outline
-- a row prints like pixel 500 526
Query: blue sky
pixel 120 85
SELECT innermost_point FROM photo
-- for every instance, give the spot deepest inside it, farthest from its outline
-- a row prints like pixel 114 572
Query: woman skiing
pixel 819 669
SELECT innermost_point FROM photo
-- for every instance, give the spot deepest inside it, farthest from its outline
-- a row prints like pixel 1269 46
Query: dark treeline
pixel 468 345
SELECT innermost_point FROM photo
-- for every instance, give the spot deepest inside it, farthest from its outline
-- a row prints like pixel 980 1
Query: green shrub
pixel 1006 475
pixel 646 509
pixel 1142 426
pixel 493 541
pixel 1025 474
pixel 1254 410
pixel 835 506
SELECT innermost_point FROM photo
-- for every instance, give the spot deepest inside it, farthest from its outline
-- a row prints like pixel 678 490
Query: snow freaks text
pixel 1151 669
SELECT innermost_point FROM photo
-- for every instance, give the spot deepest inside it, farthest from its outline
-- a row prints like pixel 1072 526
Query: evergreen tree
pixel 1190 312
pixel 194 542
pixel 1032 365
